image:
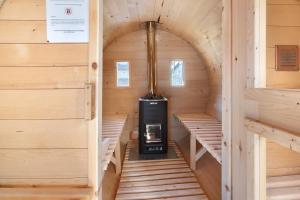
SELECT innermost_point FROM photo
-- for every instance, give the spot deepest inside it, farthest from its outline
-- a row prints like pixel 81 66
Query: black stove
pixel 153 125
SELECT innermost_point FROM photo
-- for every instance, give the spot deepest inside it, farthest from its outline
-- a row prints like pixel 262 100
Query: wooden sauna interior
pixel 197 44
pixel 67 128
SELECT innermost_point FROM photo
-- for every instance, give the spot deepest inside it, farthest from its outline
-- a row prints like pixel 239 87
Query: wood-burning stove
pixel 153 108
pixel 153 125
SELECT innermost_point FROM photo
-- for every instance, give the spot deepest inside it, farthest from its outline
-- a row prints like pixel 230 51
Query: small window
pixel 177 73
pixel 123 74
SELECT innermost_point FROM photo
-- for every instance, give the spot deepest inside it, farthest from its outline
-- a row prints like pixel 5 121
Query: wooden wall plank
pixel 62 193
pixel 282 161
pixel 33 182
pixel 23 10
pixel 43 54
pixel 283 79
pixel 42 77
pixel 43 163
pixel 42 90
pixel 284 2
pixel 279 108
pixel 42 104
pixel 283 15
pixel 43 134
pixel 283 35
pixel 283 28
pixel 13 31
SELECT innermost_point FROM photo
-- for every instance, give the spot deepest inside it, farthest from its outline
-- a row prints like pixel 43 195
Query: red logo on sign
pixel 68 11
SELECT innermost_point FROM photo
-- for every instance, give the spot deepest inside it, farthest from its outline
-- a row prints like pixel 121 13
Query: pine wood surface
pixel 192 97
pixel 158 179
pixel 283 187
pixel 111 132
pixel 203 30
pixel 283 28
pixel 206 130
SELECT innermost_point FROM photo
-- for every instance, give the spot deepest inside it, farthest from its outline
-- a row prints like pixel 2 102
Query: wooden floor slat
pixel 157 163
pixel 193 197
pixel 159 182
pixel 156 172
pixel 157 188
pixel 151 168
pixel 160 194
pixel 151 161
pixel 158 179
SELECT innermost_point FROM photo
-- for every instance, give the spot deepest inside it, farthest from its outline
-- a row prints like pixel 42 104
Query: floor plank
pixel 158 179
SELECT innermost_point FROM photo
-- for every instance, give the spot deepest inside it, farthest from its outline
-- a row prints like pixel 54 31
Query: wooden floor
pixel 208 170
pixel 158 179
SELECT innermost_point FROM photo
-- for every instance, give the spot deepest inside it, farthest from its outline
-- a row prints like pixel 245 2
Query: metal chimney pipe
pixel 151 52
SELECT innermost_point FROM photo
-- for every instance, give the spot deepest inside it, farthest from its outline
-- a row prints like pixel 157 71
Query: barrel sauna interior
pixel 70 117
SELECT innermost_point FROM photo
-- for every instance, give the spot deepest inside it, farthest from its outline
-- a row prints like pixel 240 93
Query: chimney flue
pixel 151 52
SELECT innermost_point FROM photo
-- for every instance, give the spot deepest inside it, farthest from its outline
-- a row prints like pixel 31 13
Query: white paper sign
pixel 68 21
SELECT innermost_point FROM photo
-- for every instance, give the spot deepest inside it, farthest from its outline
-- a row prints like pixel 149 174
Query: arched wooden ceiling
pixel 196 21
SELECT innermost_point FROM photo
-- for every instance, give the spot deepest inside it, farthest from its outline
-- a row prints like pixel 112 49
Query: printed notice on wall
pixel 67 21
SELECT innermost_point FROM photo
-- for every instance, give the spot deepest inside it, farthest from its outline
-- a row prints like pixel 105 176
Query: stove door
pixel 153 133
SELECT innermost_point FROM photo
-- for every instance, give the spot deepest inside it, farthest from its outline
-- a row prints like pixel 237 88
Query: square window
pixel 177 73
pixel 122 74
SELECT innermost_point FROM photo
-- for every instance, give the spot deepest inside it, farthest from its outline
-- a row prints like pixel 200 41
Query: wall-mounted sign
pixel 67 21
pixel 287 58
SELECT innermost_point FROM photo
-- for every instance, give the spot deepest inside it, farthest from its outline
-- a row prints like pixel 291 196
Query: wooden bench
pixel 112 129
pixel 207 131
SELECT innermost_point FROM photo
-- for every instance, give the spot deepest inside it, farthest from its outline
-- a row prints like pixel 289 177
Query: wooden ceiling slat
pixel 196 21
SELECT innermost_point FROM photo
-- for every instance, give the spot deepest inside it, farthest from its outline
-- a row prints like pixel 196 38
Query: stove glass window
pixel 153 133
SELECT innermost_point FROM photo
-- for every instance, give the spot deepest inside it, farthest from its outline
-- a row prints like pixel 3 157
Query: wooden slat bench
pixel 283 187
pixel 207 131
pixel 112 129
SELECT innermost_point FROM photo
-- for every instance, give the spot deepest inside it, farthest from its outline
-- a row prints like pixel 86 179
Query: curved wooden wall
pixel 196 21
pixel 191 98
